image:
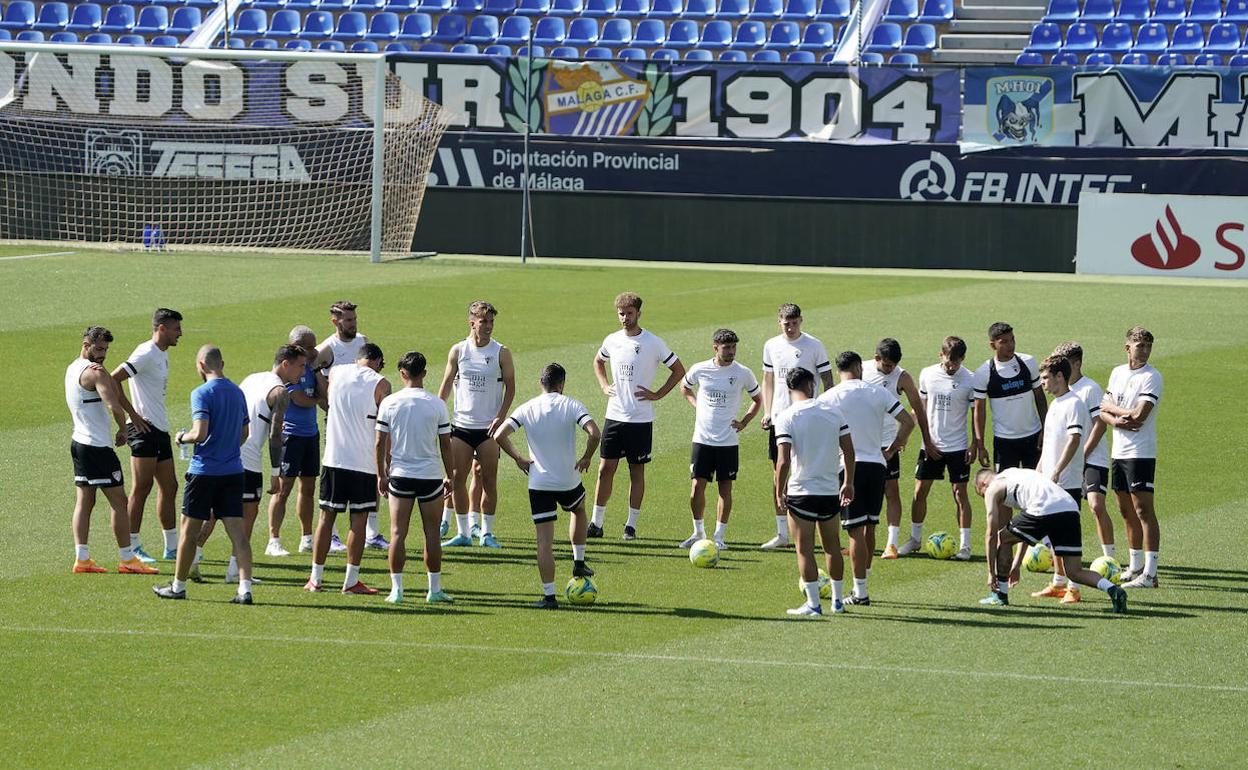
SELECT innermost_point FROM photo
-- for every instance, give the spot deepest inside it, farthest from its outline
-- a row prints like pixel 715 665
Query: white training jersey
pixel 414 418
pixel 947 398
pixel 91 418
pixel 148 367
pixel 865 408
pixel 256 389
pixel 1008 387
pixel 890 382
pixel 479 384
pixel 1127 387
pixel 1091 395
pixel 719 399
pixel 550 422
pixel 633 362
pixel 351 422
pixel 782 355
pixel 1031 492
pixel 345 351
pixel 1067 416
pixel 813 428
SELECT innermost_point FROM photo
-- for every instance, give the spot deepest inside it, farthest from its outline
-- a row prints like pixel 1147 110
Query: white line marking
pixel 32 256
pixel 630 656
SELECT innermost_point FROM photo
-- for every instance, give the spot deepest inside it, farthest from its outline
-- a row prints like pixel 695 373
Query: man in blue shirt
pixel 214 479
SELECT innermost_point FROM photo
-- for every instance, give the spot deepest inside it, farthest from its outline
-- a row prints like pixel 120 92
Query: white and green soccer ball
pixel 1038 558
pixel 704 554
pixel 580 590
pixel 1108 568
pixel 825 585
pixel 940 545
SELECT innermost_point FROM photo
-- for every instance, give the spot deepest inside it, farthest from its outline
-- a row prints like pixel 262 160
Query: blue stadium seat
pixel 259 43
pixel 435 6
pixel 1207 60
pixel 920 38
pixel 1151 38
pixel 1236 11
pixel 458 48
pixel 904 59
pixel 683 33
pixel 368 6
pixel 582 33
pixel 885 38
pixel 819 37
pixel 633 9
pixel 482 30
pixel 467 7
pixel 765 55
pixel 599 52
pixel 352 26
pixel 384 26
pixel 550 31
pixel 699 9
pixel 333 5
pixel 515 30
pixel 500 8
pixel 733 10
pixel 1238 60
pixel 872 57
pixel 450 29
pixel 1099 59
pixel 402 6
pixel 1204 10
pixel 833 10
pixel 203 4
pixel 439 48
pixel 119 19
pixel 299 45
pixel 140 40
pixel 334 46
pixel 1169 11
pixel 1172 60
pixel 716 35
pixel 1029 59
pixel 71 37
pixel 1097 10
pixel 368 46
pixel 418 27
pixel 650 33
pixel 783 36
pixel 800 57
pixel 902 11
pixel 1062 11
pixel 937 12
pixel 1188 38
pixel 1224 38
pixel 21 14
pixel 187 19
pixel 1080 38
pixel 767 10
pixel 496 49
pixel 616 33
pixel 730 55
pixel 53 17
pixel 95 38
pixel 87 18
pixel 565 52
pixel 632 54
pixel 1135 59
pixel 397 47
pixel 533 7
pixel 1116 38
pixel 799 10
pixel 317 25
pixel 565 8
pixel 600 9
pixel 665 54
pixel 750 35
pixel 251 22
pixel 35 36
pixel 1045 36
pixel 699 54
pixel 666 9
pixel 1065 59
pixel 1133 11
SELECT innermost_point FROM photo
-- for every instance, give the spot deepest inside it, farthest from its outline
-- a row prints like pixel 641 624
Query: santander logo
pixel 1177 251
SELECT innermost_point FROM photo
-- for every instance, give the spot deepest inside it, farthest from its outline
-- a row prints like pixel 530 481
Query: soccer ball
pixel 1107 567
pixel 825 585
pixel 704 553
pixel 940 545
pixel 580 590
pixel 1038 558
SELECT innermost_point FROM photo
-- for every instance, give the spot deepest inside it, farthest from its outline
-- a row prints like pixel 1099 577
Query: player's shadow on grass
pixel 965 622
pixel 1088 611
pixel 1180 574
pixel 414 607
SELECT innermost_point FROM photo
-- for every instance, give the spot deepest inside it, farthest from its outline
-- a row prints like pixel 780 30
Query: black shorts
pixel 773 452
pixel 545 504
pixel 155 443
pixel 206 496
pixel 628 440
pixel 1134 475
pixel 342 489
pixel 253 486
pixel 301 456
pixel 95 466
pixel 1095 479
pixel 473 437
pixel 892 468
pixel 868 495
pixel 1076 494
pixel 713 463
pixel 927 469
pixel 1060 531
pixel 423 490
pixel 1016 452
pixel 813 507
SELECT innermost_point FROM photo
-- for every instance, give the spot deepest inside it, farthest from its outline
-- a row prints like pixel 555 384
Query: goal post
pixel 212 149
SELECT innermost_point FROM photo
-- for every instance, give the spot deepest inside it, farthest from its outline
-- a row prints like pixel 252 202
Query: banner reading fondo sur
pixel 1199 236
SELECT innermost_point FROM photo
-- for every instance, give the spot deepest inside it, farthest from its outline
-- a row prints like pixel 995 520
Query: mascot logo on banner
pixel 592 99
pixel 1023 108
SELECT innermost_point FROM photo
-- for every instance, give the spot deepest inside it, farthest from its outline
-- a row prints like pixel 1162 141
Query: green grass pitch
pixel 674 666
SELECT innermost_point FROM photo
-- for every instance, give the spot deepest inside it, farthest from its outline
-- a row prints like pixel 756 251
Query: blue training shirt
pixel 301 420
pixel 223 405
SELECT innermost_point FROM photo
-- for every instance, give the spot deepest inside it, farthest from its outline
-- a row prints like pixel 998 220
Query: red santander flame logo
pixel 1180 250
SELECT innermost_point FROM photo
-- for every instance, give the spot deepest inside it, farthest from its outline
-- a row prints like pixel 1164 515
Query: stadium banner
pixel 1198 107
pixel 823 170
pixel 691 99
pixel 1175 235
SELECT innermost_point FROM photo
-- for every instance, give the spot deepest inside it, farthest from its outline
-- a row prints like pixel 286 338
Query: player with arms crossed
pixel 550 422
pixel 151 454
pixel 481 371
pixel 1046 514
pixel 946 392
pixel 214 479
pixel 1095 446
pixel 634 356
pixel 413 447
pixel 812 440
pixel 91 394
pixel 791 349
pixel 1003 382
pixel 1130 408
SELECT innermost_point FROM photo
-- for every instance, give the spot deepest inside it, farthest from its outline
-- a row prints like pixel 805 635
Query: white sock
pixel 721 530
pixel 860 588
pixel 600 515
pixel 1003 587
pixel 1059 580
pixel 134 541
pixel 370 529
pixel 1104 584
pixel 124 554
pixel 548 589
pixel 80 552
pixel 782 527
pixel 1137 559
pixel 305 541
pixel 353 576
pixel 199 555
pixel 171 539
pixel 232 569
pixel 474 519
pixel 461 524
pixel 487 523
pixel 447 515
pixel 916 532
pixel 318 572
pixel 812 592
pixel 894 533
pixel 1108 549
pixel 178 585
pixel 435 582
pixel 1150 563
pixel 699 529
pixel 578 552
pixel 838 590
pixel 633 515
pixel 244 587
pixel 396 582
pixel 964 537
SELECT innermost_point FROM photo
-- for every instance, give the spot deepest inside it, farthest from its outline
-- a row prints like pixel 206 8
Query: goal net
pixel 211 149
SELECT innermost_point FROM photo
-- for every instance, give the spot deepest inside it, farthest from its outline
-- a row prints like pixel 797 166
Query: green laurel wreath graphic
pixel 656 113
pixel 530 102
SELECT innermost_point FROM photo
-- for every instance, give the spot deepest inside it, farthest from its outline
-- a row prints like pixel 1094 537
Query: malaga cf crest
pixel 1021 108
pixel 591 99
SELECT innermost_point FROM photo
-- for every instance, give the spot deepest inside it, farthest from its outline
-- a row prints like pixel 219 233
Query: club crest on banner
pixel 591 99
pixel 1022 108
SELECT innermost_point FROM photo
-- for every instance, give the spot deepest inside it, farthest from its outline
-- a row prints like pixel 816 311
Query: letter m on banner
pixel 1115 111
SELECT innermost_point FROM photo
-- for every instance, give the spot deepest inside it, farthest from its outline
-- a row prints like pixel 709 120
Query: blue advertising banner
pixel 1105 107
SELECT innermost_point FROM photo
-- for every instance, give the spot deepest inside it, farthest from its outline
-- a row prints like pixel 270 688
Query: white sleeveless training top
pixel 479 385
pixel 91 423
